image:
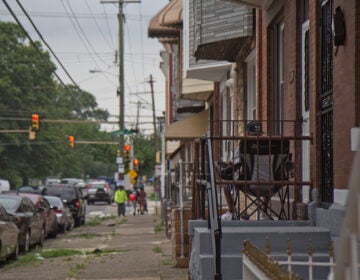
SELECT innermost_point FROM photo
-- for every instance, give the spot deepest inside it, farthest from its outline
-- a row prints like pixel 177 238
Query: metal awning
pixel 157 30
pixel 195 89
pixel 190 128
pixel 172 15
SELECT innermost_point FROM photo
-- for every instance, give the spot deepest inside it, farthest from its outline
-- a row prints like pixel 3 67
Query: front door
pixel 326 103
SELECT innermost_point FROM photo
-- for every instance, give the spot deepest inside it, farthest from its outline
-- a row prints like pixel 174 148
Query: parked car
pixel 4 185
pixel 9 236
pixel 99 191
pixel 64 216
pixel 80 183
pixel 29 220
pixel 43 206
pixel 72 197
pixel 29 189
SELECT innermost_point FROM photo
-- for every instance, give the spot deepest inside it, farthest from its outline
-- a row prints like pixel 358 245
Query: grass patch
pixel 96 221
pixel 85 235
pixel 122 221
pixel 108 251
pixel 168 262
pixel 157 249
pixel 74 270
pixel 159 227
pixel 37 256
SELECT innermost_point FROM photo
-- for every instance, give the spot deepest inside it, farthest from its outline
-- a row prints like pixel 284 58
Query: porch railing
pixel 231 192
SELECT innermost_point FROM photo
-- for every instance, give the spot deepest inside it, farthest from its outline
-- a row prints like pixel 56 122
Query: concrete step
pixel 201 263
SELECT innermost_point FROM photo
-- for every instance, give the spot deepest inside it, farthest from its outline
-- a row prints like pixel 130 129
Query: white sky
pixel 89 43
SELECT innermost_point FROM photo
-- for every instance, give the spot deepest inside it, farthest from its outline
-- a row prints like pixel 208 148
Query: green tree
pixel 27 86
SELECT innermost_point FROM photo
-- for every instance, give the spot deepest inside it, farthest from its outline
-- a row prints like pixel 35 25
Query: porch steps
pixel 235 232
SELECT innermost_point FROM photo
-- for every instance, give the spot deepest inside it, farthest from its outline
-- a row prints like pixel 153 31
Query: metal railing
pixel 257 262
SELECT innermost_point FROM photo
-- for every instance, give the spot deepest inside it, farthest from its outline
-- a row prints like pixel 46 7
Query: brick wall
pixel 180 243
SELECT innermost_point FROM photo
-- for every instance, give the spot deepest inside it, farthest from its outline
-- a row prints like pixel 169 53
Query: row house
pixel 280 65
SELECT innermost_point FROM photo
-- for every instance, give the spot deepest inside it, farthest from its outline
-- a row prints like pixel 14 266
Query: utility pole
pixel 121 92
pixel 153 109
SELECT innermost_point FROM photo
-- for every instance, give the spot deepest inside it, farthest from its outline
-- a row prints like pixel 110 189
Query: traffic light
pixel 136 164
pixel 71 141
pixel 35 126
pixel 127 149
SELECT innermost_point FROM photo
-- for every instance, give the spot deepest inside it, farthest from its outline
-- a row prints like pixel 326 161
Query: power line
pixel 98 27
pixel 46 44
pixel 38 50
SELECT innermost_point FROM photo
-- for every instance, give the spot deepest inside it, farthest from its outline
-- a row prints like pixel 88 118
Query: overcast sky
pixel 89 40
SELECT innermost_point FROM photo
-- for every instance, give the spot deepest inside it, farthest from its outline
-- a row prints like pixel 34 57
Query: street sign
pixel 132 174
pixel 124 132
pixel 158 170
pixel 121 169
pixel 119 160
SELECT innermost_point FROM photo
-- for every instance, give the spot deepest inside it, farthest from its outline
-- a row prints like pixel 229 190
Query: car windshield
pixel 9 203
pixel 54 201
pixel 98 186
pixel 63 193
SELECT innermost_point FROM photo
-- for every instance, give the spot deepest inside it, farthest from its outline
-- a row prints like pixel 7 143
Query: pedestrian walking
pixel 142 201
pixel 121 199
pixel 133 197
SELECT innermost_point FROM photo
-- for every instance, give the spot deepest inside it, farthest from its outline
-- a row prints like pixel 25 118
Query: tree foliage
pixel 27 86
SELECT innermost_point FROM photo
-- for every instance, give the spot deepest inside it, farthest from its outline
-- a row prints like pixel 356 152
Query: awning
pixel 172 147
pixel 172 15
pixel 190 128
pixel 260 4
pixel 195 89
pixel 155 29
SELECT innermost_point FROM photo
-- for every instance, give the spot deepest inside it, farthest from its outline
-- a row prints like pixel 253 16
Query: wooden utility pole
pixel 153 109
pixel 121 92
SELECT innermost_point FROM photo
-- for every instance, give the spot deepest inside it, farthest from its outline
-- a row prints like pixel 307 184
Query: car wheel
pixel 71 225
pixel 78 221
pixel 15 255
pixel 42 238
pixel 83 220
pixel 63 228
pixel 26 245
pixel 55 232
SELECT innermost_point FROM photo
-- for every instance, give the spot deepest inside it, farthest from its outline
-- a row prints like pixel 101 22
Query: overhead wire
pixel 39 51
pixel 108 27
pixel 142 42
pixel 81 32
pixel 46 44
pixel 78 29
pixel 98 26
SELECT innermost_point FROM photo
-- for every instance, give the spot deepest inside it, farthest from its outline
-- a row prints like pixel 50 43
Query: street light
pixel 94 71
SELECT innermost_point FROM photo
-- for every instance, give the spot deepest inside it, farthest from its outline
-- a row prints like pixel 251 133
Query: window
pixel 277 96
pixel 251 86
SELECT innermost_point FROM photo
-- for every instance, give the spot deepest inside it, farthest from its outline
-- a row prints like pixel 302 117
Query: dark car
pixel 29 189
pixel 99 191
pixel 72 197
pixel 9 236
pixel 29 220
pixel 64 216
pixel 51 227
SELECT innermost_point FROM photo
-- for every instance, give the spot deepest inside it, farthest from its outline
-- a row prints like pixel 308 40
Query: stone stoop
pixel 180 240
pixel 201 260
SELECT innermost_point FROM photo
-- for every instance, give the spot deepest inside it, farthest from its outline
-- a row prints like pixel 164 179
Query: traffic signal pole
pixel 121 92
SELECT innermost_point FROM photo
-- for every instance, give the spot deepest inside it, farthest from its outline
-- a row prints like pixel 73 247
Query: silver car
pixel 63 214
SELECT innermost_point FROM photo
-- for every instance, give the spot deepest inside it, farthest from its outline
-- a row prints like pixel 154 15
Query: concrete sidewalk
pixel 134 247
